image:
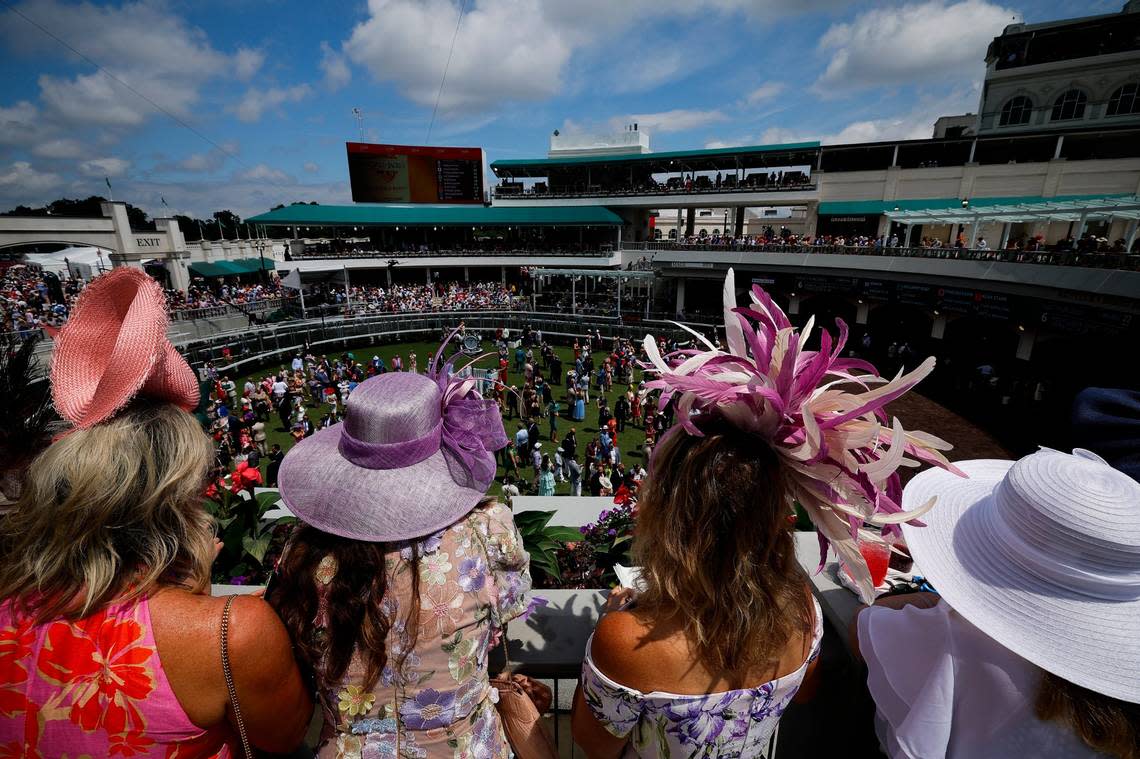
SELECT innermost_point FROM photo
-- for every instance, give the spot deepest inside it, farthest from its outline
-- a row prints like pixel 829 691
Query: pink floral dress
pixel 437 703
pixel 94 687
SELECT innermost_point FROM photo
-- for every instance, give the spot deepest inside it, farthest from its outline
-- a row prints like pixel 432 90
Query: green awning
pixel 681 155
pixel 231 268
pixel 390 215
pixel 875 207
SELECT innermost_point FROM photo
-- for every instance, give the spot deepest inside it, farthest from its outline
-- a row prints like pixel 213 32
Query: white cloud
pixel 311 167
pixel 264 173
pixel 335 68
pixel 62 147
pixel 206 162
pixel 18 124
pixel 519 50
pixel 676 120
pixel 25 183
pixel 765 91
pixel 927 42
pixel 247 62
pixel 255 101
pixel 105 167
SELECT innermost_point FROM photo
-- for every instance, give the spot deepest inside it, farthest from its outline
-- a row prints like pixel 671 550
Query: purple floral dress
pixel 735 723
pixel 440 693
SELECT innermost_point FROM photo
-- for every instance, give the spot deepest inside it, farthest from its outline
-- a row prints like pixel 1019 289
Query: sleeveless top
pixel 735 723
pixel 433 699
pixel 92 687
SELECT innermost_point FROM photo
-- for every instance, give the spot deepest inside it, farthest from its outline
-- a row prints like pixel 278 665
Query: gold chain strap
pixel 228 674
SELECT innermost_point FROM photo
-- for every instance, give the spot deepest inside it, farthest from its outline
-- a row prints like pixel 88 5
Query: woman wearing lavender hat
pixel 403 574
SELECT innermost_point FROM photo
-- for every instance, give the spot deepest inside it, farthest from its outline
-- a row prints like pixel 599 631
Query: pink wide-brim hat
pixel 411 457
pixel 114 348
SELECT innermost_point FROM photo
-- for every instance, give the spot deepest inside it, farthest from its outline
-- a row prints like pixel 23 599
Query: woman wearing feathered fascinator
pixel 725 631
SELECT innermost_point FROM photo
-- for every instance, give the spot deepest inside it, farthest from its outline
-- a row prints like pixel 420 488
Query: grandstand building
pixel 1057 75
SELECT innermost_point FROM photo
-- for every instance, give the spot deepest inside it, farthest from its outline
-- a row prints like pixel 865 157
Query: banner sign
pixel 414 174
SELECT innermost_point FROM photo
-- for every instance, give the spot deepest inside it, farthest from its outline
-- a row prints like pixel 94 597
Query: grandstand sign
pixel 414 174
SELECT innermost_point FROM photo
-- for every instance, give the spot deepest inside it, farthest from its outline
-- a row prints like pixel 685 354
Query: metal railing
pixel 261 306
pixel 508 193
pixel 1097 260
pixel 454 253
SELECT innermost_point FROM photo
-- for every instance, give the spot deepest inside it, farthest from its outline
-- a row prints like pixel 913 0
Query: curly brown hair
pixel 716 547
pixel 357 619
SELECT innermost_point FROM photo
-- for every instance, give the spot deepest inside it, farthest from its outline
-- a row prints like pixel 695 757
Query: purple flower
pixel 584 529
pixel 612 533
pixel 430 709
pixel 533 604
pixel 472 574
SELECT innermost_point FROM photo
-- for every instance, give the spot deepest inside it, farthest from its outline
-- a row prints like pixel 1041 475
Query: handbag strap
pixel 228 674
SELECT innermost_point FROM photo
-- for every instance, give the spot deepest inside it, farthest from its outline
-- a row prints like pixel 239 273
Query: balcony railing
pixel 1096 260
pixel 596 191
pixel 600 252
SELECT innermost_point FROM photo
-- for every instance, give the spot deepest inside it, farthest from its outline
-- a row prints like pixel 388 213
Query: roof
pixel 875 207
pixel 1062 208
pixel 442 216
pixel 231 268
pixel 655 157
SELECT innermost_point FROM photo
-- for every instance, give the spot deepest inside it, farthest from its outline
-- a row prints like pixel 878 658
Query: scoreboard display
pixel 414 174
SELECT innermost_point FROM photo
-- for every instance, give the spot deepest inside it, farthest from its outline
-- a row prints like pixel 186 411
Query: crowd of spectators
pixel 472 296
pixel 32 301
pixel 202 296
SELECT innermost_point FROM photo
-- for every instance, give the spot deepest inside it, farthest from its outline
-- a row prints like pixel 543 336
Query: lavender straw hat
pixel 414 454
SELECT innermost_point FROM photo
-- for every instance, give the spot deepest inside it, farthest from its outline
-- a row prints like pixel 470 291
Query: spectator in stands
pixel 104 588
pixel 1031 649
pixel 395 622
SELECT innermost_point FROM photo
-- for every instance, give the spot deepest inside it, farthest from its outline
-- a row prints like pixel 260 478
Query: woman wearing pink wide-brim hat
pixel 110 643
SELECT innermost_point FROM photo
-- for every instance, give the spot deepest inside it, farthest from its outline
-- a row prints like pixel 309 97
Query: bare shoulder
pixel 625 650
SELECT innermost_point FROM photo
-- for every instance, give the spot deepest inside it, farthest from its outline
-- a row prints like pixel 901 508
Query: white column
pixel 973 233
pixel 862 311
pixel 503 275
pixel 793 304
pixel 1025 344
pixel 1005 228
pixel 1130 235
pixel 938 329
pixel 680 296
pixel 1081 226
pixel 466 273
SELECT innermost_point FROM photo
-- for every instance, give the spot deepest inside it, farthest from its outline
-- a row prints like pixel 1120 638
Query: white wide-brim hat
pixel 1043 556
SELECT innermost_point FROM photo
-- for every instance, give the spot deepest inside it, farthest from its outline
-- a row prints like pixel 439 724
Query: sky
pixel 242 105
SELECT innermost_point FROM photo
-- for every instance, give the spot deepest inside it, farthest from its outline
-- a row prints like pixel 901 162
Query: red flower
pixel 129 744
pixel 103 669
pixel 15 647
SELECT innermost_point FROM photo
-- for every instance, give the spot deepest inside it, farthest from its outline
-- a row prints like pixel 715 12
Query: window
pixel 1125 100
pixel 1016 111
pixel 1069 106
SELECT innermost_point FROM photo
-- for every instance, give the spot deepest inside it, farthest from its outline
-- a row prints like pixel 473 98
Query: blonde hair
pixel 717 551
pixel 109 512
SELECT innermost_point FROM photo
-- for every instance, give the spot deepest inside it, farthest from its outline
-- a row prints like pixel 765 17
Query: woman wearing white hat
pixel 1033 649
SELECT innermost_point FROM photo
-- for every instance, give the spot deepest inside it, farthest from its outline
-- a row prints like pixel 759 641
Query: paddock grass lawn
pixel 630 441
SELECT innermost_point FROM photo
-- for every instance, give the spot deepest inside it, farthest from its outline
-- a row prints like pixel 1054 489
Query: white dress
pixel 943 688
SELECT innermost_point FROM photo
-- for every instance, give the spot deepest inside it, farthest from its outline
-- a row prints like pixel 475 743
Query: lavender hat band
pixel 467 429
pixel 390 455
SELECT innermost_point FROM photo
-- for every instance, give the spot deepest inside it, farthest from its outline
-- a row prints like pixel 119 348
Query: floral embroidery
pixel 434 568
pixel 441 609
pixel 430 709
pixel 472 574
pixel 435 676
pixel 355 701
pixel 462 662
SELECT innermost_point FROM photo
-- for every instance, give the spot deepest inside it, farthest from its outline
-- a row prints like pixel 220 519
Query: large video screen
pixel 413 174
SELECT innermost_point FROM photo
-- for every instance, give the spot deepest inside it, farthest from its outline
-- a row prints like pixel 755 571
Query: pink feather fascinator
pixel 822 415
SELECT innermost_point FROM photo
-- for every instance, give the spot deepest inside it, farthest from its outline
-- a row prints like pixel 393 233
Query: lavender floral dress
pixel 735 723
pixel 440 694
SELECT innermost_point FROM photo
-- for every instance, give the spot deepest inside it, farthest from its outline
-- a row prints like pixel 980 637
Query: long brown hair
pixel 716 548
pixel 109 512
pixel 1106 724
pixel 357 618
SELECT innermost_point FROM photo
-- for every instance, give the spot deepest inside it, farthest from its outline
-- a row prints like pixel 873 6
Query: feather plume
pixel 822 414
